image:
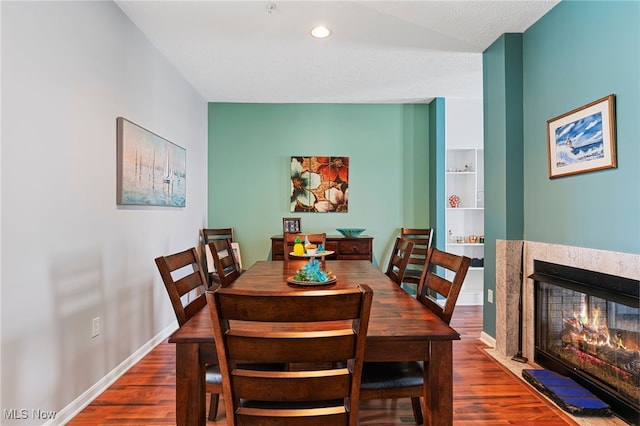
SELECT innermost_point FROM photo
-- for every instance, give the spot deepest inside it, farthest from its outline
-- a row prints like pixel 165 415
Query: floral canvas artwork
pixel 320 184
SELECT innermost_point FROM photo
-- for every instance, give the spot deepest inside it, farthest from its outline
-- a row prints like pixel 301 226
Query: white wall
pixel 69 253
pixel 464 127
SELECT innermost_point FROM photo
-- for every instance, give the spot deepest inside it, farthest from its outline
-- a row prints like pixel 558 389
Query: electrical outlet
pixel 95 327
pixel 489 295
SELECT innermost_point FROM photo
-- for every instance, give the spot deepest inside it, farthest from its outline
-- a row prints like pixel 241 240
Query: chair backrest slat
pixel 210 234
pixel 262 306
pixel 439 285
pixel 332 385
pixel 187 283
pixel 308 346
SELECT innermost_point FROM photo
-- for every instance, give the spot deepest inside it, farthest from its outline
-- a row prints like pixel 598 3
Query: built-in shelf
pixel 464 178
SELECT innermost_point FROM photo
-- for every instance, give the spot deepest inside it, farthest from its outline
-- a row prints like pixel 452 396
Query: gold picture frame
pixel 583 140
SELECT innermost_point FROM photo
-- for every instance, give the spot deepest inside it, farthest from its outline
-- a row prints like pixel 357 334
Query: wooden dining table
pixel 400 329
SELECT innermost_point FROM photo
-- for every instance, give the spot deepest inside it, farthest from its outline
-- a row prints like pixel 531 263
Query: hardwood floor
pixel 485 393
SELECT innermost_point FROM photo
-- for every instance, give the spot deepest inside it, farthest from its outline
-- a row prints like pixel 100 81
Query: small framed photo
pixel 583 140
pixel 291 225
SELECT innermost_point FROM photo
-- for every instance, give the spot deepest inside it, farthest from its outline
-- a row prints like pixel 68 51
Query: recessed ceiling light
pixel 320 32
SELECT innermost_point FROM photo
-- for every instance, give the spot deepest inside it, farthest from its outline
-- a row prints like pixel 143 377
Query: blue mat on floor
pixel 568 394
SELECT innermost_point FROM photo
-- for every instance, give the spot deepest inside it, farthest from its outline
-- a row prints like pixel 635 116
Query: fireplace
pixel 587 327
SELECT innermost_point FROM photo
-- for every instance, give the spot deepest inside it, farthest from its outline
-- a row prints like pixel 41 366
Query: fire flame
pixel 592 329
pixel 588 344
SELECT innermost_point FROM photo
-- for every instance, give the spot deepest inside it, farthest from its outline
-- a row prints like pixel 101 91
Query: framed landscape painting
pixel 151 170
pixel 583 140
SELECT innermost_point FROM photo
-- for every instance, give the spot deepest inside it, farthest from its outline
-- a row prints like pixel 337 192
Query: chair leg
pixel 213 406
pixel 417 410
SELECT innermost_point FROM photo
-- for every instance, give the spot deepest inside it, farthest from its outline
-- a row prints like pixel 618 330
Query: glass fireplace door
pixel 593 335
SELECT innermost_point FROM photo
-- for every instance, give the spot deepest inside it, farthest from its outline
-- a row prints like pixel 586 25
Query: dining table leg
pixel 438 384
pixel 190 387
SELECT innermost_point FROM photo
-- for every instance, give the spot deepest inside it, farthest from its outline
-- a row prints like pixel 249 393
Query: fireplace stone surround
pixel 507 292
pixel 508 284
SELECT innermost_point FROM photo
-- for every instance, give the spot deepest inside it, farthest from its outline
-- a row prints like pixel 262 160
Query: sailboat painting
pixel 151 170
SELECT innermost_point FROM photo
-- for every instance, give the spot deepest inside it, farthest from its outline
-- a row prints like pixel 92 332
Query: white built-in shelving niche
pixel 464 177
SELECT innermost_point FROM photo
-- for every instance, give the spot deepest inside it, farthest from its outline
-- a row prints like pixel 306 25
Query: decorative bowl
pixel 350 232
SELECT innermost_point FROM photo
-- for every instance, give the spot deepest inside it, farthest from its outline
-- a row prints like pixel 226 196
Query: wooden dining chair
pixel 400 256
pixel 208 235
pixel 187 296
pixel 224 258
pixel 311 334
pixel 290 238
pixel 422 238
pixel 441 282
pixel 438 290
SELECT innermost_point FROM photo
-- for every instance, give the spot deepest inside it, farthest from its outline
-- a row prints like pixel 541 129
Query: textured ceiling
pixel 380 51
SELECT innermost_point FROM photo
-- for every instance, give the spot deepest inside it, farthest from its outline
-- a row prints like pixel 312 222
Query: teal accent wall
pixel 437 169
pixel 577 53
pixel 250 146
pixel 503 177
pixel 416 170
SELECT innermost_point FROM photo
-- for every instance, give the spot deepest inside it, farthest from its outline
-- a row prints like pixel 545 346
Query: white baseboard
pixel 487 340
pixel 469 299
pixel 81 402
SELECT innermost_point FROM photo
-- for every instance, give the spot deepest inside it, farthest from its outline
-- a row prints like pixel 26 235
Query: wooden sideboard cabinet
pixel 360 248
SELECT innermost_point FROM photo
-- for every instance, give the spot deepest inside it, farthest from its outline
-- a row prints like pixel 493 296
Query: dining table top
pixel 395 315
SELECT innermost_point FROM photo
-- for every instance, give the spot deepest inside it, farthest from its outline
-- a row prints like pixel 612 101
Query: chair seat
pixel 413 273
pixel 215 277
pixel 391 375
pixel 212 374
